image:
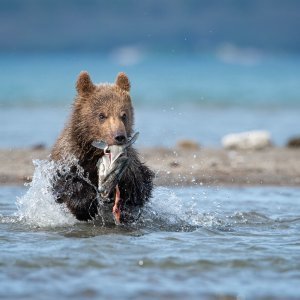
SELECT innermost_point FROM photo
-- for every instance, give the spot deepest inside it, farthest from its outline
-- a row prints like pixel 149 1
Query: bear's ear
pixel 123 82
pixel 84 83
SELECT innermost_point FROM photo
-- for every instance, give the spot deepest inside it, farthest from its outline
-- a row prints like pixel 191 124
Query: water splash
pixel 38 206
pixel 170 209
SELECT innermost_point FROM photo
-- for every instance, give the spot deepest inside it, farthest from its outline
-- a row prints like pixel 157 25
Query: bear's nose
pixel 120 139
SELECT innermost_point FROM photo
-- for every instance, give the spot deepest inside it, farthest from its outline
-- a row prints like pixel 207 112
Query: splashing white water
pixel 38 206
pixel 166 210
pixel 171 210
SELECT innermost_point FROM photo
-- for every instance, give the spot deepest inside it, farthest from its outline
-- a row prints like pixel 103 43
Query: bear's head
pixel 102 111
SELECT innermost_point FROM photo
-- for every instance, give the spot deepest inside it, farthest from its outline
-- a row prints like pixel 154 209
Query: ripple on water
pixel 184 244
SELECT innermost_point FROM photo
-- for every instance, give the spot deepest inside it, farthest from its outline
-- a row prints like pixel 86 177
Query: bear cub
pixel 100 112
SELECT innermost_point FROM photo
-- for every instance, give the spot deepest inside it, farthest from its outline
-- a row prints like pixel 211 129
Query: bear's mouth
pixel 100 144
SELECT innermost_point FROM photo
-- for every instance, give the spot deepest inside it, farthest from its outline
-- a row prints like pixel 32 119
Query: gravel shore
pixel 179 166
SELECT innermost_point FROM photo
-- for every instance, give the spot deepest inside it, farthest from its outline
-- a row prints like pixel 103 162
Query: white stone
pixel 250 140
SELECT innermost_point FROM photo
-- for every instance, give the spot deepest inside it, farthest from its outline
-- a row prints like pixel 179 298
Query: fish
pixel 111 167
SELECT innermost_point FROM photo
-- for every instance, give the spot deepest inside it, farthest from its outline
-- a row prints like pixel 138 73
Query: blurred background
pixel 199 69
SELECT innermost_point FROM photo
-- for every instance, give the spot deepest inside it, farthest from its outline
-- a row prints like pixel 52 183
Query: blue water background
pixel 196 96
pixel 156 80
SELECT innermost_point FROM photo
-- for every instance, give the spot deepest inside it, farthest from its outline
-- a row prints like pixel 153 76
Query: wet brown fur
pixel 86 124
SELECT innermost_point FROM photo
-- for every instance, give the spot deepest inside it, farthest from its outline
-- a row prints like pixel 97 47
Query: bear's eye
pixel 102 117
pixel 123 117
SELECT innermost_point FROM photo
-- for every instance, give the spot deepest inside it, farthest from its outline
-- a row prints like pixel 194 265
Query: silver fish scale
pixel 106 162
pixel 111 153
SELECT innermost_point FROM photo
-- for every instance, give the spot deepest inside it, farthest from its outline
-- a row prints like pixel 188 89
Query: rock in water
pixel 294 142
pixel 188 145
pixel 249 140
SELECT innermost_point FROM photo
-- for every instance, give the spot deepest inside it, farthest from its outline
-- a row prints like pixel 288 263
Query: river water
pixel 190 243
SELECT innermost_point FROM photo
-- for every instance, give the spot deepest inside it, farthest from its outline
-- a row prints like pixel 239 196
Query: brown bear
pixel 100 112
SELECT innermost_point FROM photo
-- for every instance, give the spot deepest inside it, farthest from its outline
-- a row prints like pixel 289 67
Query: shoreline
pixel 272 166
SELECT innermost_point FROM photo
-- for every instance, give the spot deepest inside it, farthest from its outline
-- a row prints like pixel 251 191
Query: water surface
pixel 25 127
pixel 178 96
pixel 189 243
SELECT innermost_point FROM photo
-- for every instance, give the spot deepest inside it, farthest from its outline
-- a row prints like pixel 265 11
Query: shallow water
pixel 190 243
